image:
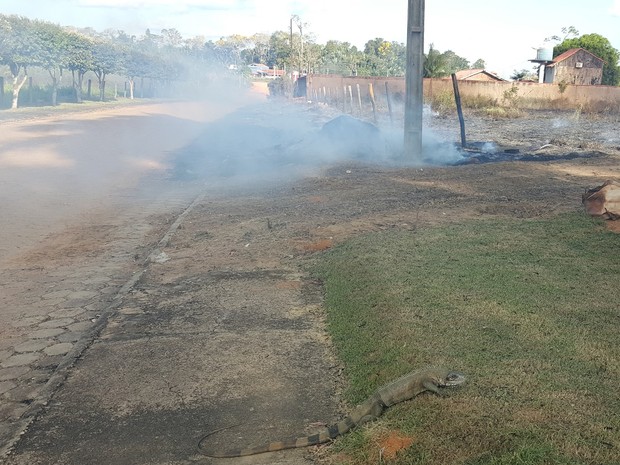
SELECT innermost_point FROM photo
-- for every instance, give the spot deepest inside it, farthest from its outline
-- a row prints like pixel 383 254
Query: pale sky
pixel 502 33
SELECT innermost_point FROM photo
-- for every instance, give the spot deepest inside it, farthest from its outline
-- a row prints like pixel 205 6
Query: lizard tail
pixel 322 437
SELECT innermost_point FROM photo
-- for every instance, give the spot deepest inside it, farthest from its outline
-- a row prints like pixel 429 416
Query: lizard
pixel 404 388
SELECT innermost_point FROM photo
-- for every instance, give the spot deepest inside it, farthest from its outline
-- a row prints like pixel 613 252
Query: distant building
pixel 477 75
pixel 575 66
pixel 260 70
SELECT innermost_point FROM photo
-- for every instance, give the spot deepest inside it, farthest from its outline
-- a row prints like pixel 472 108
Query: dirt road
pixel 166 308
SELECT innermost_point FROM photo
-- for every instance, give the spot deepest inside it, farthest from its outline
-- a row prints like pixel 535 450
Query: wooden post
pixel 371 92
pixel 344 99
pixel 389 102
pixel 459 110
pixel 359 98
pixel 415 68
pixel 351 98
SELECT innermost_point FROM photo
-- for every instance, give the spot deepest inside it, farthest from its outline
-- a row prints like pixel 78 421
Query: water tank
pixel 544 54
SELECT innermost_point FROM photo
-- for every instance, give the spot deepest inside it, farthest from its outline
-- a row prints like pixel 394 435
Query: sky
pixel 504 34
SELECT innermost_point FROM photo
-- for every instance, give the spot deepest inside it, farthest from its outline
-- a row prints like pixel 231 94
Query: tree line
pixel 379 57
pixel 27 43
pixel 168 57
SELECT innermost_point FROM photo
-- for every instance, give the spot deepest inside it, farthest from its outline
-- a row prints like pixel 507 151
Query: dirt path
pixel 222 325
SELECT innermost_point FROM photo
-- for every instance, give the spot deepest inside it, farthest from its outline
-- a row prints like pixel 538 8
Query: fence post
pixel 359 98
pixel 389 102
pixel 459 109
pixel 351 98
pixel 371 92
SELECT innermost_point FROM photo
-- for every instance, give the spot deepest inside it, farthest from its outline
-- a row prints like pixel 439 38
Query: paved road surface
pixel 81 196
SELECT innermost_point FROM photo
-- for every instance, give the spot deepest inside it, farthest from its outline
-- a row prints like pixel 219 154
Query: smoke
pixel 277 141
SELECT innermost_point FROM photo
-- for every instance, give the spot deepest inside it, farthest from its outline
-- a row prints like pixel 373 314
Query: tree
pixel 523 75
pixel 51 52
pixel 279 49
pixel 259 53
pixel 105 61
pixel 135 64
pixel 479 64
pixel 453 62
pixel 599 46
pixel 383 58
pixel 229 48
pixel 340 57
pixel 16 50
pixel 171 38
pixel 79 60
pixel 434 63
pixel 567 33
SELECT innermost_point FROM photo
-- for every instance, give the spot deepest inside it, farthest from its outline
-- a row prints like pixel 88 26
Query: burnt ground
pixel 208 320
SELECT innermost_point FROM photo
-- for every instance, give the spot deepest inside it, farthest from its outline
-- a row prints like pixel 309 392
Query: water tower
pixel 544 57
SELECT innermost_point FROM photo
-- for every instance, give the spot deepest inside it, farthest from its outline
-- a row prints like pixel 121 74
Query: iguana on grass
pixel 404 388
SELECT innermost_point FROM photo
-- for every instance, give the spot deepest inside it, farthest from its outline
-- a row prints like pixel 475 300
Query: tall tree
pixel 279 49
pixel 51 52
pixel 17 46
pixel 599 46
pixel 135 63
pixel 453 62
pixel 105 61
pixel 259 51
pixel 340 57
pixel 384 58
pixel 171 38
pixel 79 60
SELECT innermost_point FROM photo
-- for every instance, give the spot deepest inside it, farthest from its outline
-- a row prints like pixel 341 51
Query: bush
pixel 281 87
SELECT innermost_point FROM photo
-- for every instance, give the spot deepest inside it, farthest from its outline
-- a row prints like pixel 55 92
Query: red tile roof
pixel 570 53
pixel 468 73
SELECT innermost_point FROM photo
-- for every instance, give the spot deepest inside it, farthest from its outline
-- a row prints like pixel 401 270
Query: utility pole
pixel 414 99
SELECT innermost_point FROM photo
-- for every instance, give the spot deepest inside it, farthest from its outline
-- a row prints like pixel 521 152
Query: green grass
pixel 528 309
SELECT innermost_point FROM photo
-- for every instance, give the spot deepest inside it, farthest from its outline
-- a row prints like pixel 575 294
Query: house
pixel 575 66
pixel 477 75
pixel 257 68
pixel 272 73
pixel 260 70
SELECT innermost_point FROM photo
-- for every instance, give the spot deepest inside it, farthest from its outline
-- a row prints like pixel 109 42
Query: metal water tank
pixel 544 54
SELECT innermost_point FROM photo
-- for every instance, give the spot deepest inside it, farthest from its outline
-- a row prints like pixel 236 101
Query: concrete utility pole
pixel 413 86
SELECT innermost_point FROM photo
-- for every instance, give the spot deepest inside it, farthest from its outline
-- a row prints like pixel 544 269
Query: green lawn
pixel 529 310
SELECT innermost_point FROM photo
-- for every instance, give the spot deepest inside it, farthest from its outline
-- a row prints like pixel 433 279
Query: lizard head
pixel 449 378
